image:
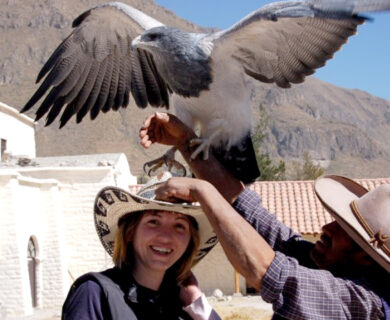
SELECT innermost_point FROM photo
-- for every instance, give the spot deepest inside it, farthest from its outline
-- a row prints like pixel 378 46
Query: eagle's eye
pixel 152 36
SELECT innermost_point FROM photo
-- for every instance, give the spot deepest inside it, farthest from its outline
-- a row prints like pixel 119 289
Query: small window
pixel 3 147
pixel 32 270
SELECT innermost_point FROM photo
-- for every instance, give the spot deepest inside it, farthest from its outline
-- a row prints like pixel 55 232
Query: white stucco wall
pixel 18 130
pixel 55 206
pixel 29 208
pixel 215 272
pixel 84 251
pixel 10 264
pixel 122 173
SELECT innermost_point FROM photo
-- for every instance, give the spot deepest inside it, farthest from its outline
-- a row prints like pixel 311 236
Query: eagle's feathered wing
pixel 91 70
pixel 273 45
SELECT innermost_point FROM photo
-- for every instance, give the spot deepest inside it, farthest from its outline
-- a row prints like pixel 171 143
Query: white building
pixel 47 234
pixel 16 133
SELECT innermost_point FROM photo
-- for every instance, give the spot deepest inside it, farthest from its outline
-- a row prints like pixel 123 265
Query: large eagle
pixel 115 50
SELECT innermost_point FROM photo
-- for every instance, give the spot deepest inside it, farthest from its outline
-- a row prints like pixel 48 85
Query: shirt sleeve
pixel 279 236
pixel 297 292
pixel 200 309
pixel 84 303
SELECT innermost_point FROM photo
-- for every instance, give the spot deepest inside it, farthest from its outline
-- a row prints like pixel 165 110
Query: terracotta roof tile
pixel 295 203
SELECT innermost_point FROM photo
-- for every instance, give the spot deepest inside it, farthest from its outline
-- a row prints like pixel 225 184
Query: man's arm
pixel 167 129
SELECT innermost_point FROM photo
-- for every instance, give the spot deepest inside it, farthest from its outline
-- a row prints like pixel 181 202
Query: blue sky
pixel 363 63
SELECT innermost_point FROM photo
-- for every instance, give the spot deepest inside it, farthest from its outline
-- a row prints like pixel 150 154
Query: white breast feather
pixel 225 106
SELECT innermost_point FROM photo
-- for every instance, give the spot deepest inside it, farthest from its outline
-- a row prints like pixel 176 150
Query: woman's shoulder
pixel 87 287
pixel 109 275
pixel 84 301
pixel 104 279
pixel 88 295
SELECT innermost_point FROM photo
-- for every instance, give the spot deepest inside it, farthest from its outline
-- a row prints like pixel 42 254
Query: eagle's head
pixel 165 39
pixel 180 58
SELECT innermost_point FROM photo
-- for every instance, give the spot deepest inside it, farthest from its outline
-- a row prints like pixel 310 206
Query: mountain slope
pixel 348 130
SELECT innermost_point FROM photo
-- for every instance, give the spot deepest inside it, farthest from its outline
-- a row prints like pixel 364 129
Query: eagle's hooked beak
pixel 135 43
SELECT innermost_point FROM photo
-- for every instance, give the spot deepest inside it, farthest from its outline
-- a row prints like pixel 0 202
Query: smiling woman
pixel 160 240
pixel 153 244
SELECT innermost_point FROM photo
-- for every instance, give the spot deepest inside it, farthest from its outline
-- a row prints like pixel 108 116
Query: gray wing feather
pixel 352 6
pixel 104 90
pixel 155 85
pixel 138 88
pixel 284 42
pixel 113 86
pixel 61 90
pixel 163 89
pixel 147 85
pixel 121 85
pixel 77 86
pixel 101 38
pixel 76 104
pixel 93 93
pixel 151 85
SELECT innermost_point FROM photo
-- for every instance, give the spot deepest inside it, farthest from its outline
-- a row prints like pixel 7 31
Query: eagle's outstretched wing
pixel 91 70
pixel 284 42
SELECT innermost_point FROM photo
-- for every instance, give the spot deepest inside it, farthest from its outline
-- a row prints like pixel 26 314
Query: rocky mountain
pixel 346 130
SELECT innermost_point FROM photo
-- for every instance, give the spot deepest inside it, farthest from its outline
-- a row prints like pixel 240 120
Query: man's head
pixel 336 249
pixel 361 233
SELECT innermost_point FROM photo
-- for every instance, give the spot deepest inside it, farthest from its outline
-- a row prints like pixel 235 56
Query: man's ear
pixel 362 258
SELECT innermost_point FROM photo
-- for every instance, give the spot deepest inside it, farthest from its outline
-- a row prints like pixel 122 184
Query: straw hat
pixel 112 203
pixel 363 214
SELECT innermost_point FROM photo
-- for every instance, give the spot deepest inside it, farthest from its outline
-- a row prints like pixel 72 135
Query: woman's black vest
pixel 128 300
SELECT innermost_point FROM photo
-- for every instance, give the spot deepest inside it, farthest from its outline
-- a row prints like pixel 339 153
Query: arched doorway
pixel 32 269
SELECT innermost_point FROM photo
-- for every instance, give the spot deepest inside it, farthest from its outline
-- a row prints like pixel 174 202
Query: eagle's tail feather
pixel 240 160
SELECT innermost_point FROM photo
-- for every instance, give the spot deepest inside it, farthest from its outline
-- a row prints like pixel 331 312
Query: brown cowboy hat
pixel 363 214
pixel 112 203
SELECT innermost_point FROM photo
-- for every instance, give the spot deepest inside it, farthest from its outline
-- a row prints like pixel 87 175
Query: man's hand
pixel 189 289
pixel 180 188
pixel 167 129
pixel 164 128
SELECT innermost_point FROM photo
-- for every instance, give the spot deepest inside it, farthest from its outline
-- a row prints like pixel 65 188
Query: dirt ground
pixel 242 308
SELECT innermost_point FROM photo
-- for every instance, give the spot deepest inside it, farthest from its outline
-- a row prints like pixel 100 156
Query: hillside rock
pixel 347 129
pixel 326 119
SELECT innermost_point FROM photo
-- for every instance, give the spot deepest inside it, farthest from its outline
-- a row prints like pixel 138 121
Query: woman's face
pixel 160 239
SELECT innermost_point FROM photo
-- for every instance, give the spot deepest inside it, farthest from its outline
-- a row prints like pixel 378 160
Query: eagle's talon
pixel 168 160
pixel 154 165
pixel 195 142
pixel 203 147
